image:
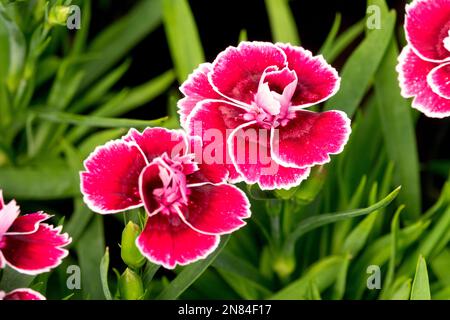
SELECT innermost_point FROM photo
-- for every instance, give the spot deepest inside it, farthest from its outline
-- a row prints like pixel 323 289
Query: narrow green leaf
pixel 324 219
pixel 282 22
pixel 398 132
pixel 189 274
pixel 323 274
pixel 104 266
pixel 183 38
pixel 361 67
pixel 329 41
pixel 421 285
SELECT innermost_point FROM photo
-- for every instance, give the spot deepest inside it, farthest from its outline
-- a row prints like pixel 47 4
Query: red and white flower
pixel 26 243
pixel 188 203
pixel 424 64
pixel 255 95
pixel 21 294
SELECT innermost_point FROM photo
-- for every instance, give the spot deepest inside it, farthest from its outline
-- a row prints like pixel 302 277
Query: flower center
pixel 270 108
pixel 172 173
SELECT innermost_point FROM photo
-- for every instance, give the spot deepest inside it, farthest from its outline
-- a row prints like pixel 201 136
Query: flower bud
pixel 310 188
pixel 284 266
pixel 130 286
pixel 129 252
pixel 58 15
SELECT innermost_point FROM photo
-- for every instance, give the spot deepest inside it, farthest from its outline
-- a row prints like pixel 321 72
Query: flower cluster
pixel 252 101
pixel 424 64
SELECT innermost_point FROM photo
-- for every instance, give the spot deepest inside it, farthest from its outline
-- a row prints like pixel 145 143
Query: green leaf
pixel 114 42
pixel 47 182
pixel 360 68
pixel 95 121
pixel 79 220
pixel 322 273
pixel 104 266
pixel 90 253
pixel 324 219
pixel 282 22
pixel 398 131
pixel 189 274
pixel 329 41
pixel 421 285
pixel 182 35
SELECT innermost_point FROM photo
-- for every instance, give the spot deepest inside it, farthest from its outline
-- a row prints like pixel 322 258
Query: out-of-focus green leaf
pixel 190 274
pixel 42 182
pixel 398 131
pixel 282 22
pixel 361 67
pixel 329 41
pixel 113 43
pixel 323 274
pixel 182 35
pixel 95 121
pixel 90 253
pixel 79 220
pixel 421 285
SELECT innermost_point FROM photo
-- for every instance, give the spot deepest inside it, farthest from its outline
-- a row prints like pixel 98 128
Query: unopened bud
pixel 129 252
pixel 130 286
pixel 58 15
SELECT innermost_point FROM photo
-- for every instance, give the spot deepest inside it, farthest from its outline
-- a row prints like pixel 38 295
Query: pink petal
pixel 208 172
pixel 439 80
pixel 28 223
pixel 110 183
pixel 2 202
pixel 36 252
pixel 2 260
pixel 237 71
pixel 212 121
pixel 317 80
pixel 8 214
pixel 166 240
pixel 196 88
pixel 156 141
pixel 413 72
pixel 216 209
pixel 23 294
pixel 310 138
pixel 426 25
pixel 249 147
pixel 150 180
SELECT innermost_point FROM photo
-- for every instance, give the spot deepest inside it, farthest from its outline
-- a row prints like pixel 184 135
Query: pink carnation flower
pixel 188 203
pixel 424 64
pixel 28 245
pixel 255 95
pixel 21 294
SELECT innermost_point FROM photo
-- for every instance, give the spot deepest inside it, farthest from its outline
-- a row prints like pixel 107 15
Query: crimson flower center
pixel 174 192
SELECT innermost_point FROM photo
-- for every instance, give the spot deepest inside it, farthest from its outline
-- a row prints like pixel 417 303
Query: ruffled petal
pixel 317 80
pixel 168 241
pixel 249 147
pixel 36 252
pixel 413 72
pixel 8 214
pixel 28 223
pixel 22 294
pixel 149 181
pixel 427 25
pixel 110 183
pixel 216 209
pixel 154 142
pixel 196 88
pixel 207 171
pixel 310 138
pixel 212 121
pixel 236 72
pixel 439 80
